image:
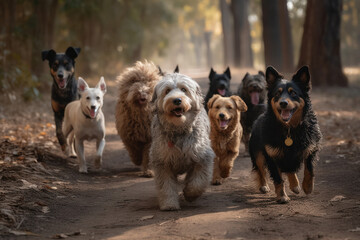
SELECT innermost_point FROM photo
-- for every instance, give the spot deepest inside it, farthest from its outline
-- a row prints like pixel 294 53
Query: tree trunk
pixel 242 39
pixel 320 46
pixel 207 36
pixel 228 35
pixel 277 35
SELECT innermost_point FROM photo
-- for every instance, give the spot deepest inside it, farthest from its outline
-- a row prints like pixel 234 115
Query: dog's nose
pixel 221 115
pixel 93 107
pixel 177 101
pixel 60 75
pixel 283 103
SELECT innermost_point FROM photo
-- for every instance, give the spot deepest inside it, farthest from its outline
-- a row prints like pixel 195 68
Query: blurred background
pixel 196 35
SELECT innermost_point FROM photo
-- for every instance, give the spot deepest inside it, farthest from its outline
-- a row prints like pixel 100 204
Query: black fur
pixel 249 85
pixel 218 83
pixel 64 87
pixel 268 130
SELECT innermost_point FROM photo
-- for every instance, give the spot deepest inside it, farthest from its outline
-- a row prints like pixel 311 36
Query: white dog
pixel 180 140
pixel 85 118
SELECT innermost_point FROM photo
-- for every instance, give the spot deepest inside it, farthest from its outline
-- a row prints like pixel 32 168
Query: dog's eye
pixel 87 98
pixel 167 91
pixel 183 89
pixel 217 107
pixel 97 98
pixel 229 107
pixel 293 93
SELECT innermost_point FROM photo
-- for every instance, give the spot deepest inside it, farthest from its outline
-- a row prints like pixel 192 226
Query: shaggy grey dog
pixel 180 140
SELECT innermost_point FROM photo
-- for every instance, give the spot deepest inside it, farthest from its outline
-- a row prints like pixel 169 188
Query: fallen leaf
pixel 337 198
pixel 45 209
pixel 28 185
pixel 22 233
pixel 357 229
pixel 60 236
pixel 43 133
pixel 147 217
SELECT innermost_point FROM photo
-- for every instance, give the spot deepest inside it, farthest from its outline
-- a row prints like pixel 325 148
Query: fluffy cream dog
pixel 86 119
pixel 180 134
pixel 133 114
pixel 226 132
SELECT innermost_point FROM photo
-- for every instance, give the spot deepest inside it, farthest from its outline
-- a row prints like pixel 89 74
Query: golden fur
pixel 133 113
pixel 226 132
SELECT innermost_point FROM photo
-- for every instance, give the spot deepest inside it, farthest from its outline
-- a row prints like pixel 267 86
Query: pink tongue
pixel 254 98
pixel 62 83
pixel 223 123
pixel 221 92
pixel 285 114
pixel 92 113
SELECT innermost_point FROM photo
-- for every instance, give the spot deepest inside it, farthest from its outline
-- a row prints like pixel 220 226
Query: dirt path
pixel 117 204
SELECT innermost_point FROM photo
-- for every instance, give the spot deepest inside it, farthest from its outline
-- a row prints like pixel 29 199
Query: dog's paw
pixel 169 208
pixel 190 195
pixel 146 174
pixel 295 189
pixel 283 199
pixel 216 182
pixel 308 185
pixel 83 169
pixel 264 189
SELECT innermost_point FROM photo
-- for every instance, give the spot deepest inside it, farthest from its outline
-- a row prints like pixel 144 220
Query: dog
pixel 180 140
pixel 64 87
pixel 133 113
pixel 85 118
pixel 252 90
pixel 219 84
pixel 226 131
pixel 286 135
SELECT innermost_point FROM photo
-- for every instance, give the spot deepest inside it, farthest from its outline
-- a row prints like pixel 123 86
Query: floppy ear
pixel 72 52
pixel 227 72
pixel 271 76
pixel 261 73
pixel 176 69
pixel 82 85
pixel 154 96
pixel 48 55
pixel 302 77
pixel 212 73
pixel 240 104
pixel 212 100
pixel 101 85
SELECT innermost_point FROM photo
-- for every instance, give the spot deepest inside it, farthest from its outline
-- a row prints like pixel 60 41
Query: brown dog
pixel 133 112
pixel 226 132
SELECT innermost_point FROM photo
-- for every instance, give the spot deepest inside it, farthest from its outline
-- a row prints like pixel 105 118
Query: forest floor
pixel 43 196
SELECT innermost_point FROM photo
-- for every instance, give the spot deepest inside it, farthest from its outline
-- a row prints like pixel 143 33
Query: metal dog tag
pixel 288 141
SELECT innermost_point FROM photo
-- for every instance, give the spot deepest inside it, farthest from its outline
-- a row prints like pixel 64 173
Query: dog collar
pixel 87 116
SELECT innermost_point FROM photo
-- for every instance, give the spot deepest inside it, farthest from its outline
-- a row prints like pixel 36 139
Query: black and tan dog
pixel 64 87
pixel 286 135
pixel 219 84
pixel 252 90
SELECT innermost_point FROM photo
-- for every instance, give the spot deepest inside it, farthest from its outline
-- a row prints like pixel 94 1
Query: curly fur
pixel 225 134
pixel 181 144
pixel 133 113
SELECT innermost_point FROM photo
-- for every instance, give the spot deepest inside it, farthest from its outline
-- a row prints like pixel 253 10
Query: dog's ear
pixel 72 52
pixel 212 100
pixel 246 75
pixel 82 85
pixel 272 76
pixel 240 104
pixel 212 74
pixel 161 73
pixel 302 78
pixel 176 69
pixel 48 55
pixel 101 85
pixel 227 72
pixel 261 73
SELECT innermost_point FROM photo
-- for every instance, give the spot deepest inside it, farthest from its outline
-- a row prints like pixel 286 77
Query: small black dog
pixel 252 90
pixel 64 87
pixel 286 135
pixel 219 84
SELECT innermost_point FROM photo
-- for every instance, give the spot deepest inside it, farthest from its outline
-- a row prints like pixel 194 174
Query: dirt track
pixel 117 204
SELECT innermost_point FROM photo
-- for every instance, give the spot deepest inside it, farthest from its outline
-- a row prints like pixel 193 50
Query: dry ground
pixel 42 195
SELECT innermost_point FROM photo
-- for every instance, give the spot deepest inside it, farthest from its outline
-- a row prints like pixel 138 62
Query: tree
pixel 320 47
pixel 277 35
pixel 227 32
pixel 242 40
